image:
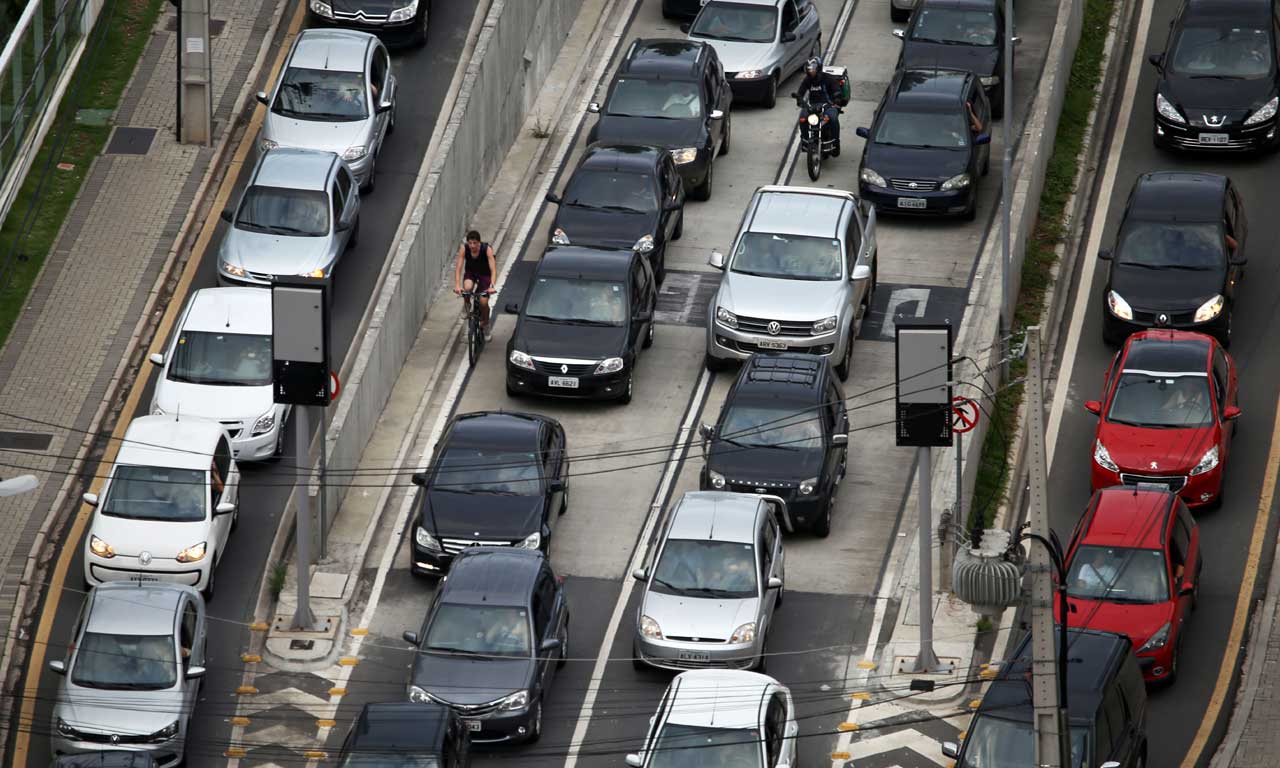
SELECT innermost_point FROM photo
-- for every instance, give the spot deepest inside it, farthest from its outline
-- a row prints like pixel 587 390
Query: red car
pixel 1128 572
pixel 1167 405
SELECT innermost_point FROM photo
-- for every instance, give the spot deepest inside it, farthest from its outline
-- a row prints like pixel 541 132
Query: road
pixel 265 489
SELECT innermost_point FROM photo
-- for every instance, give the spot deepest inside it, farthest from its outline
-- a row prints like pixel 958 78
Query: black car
pixel 923 153
pixel 959 34
pixel 106 759
pixel 622 197
pixel 406 733
pixel 493 638
pixel 584 319
pixel 1106 700
pixel 680 9
pixel 670 94
pixel 397 22
pixel 1219 84
pixel 498 479
pixel 1178 259
pixel 783 431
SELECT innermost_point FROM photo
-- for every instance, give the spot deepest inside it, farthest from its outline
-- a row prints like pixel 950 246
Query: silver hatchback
pixel 716 578
pixel 760 42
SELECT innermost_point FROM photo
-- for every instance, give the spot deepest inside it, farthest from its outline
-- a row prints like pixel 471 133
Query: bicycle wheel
pixel 475 339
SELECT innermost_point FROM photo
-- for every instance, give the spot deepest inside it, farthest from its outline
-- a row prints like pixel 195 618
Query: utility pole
pixel 1053 742
pixel 195 73
pixel 302 616
pixel 1006 187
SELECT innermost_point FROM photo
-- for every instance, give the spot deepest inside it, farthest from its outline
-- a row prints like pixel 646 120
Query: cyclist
pixel 475 267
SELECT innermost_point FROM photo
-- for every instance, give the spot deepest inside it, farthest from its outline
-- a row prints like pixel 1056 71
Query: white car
pixel 168 506
pixel 219 367
pixel 726 717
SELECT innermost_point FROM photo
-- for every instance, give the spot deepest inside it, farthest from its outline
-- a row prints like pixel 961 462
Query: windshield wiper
pixel 459 651
pixel 285 230
pixel 712 593
pixel 935 40
pixel 585 321
pixel 666 584
pixel 495 492
pixel 623 208
pixel 1215 77
pixel 908 146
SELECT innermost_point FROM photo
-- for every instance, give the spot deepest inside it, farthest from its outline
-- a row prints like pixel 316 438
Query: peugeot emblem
pixel 774 328
pixel 760 490
pixel 474 544
pixel 144 558
pixel 1155 465
pixel 564 368
pixel 1214 121
pixel 1162 319
pixel 115 738
pixel 913 185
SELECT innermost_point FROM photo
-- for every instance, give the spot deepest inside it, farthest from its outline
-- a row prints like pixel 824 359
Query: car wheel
pixel 1175 663
pixel 511 393
pixel 728 135
pixel 762 663
pixel 535 723
pixel 235 518
pixel 714 364
pixel 648 339
pixel 626 396
pixel 373 167
pixel 420 37
pixel 782 593
pixel 986 165
pixel 997 106
pixel 1225 340
pixel 564 500
pixel 971 212
pixel 660 268
pixel 637 663
pixel 564 647
pixel 842 370
pixel 703 192
pixel 679 230
pixel 822 526
pixel 899 15
pixel 771 93
pixel 354 240
pixel 208 588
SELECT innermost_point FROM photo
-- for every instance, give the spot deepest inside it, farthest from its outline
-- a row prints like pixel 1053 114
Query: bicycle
pixel 475 334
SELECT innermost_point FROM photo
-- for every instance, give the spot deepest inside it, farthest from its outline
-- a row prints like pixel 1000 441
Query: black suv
pixel 1179 257
pixel 622 197
pixel 406 733
pixel 671 94
pixel 783 431
pixel 1106 698
pixel 498 479
pixel 397 22
pixel 493 638
pixel 584 319
pixel 1219 85
pixel 959 34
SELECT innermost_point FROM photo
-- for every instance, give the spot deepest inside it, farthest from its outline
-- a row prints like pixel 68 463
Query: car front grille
pixel 108 738
pixel 785 327
pixel 563 369
pixel 475 710
pixel 360 16
pixel 921 185
pixel 1236 144
pixel 1175 319
pixel 1175 482
pixel 454 546
pixel 691 639
pixel 749 486
pixel 233 428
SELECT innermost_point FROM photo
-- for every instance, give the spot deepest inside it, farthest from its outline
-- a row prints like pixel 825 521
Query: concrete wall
pixel 517 45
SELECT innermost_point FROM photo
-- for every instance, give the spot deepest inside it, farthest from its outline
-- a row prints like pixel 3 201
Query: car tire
pixel 822 526
pixel 762 662
pixel 625 399
pixel 1225 338
pixel 511 393
pixel 997 106
pixel 703 191
pixel 971 212
pixel 420 35
pixel 842 369
pixel 373 174
pixel 728 136
pixel 208 590
pixel 564 501
pixel 782 593
pixel 986 165
pixel 637 663
pixel 648 337
pixel 660 269
pixel 714 364
pixel 564 647
pixel 354 240
pixel 535 725
pixel 899 15
pixel 770 93
pixel 679 230
pixel 1174 664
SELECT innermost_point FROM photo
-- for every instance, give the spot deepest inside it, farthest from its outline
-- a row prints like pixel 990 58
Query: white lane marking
pixel 899 297
pixel 1084 294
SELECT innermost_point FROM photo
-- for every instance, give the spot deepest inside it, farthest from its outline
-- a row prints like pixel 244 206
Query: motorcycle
pixel 817 140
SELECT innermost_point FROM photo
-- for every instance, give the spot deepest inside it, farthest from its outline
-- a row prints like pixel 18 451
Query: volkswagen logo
pixel 1155 465
pixel 774 328
pixel 144 558
pixel 474 544
pixel 564 369
pixel 913 185
pixel 1214 121
pixel 1162 319
pixel 115 738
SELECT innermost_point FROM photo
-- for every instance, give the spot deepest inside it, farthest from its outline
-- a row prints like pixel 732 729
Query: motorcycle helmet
pixel 813 66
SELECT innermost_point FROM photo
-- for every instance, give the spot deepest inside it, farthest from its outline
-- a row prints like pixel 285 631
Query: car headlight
pixel 959 181
pixel 869 176
pixel 1168 111
pixel 811 119
pixel 1210 309
pixel 1103 457
pixel 807 487
pixel 1265 112
pixel 192 554
pixel 532 541
pixel 1118 306
pixel 355 153
pixel 65 728
pixel 750 74
pixel 684 155
pixel 649 628
pixel 517 700
pixel 717 479
pixel 726 318
pixel 521 360
pixel 425 540
pixel 321 8
pixel 232 269
pixel 826 324
pixel 609 365
pixel 165 733
pixel 1157 641
pixel 644 244
pixel 559 237
pixel 101 548
pixel 744 634
pixel 264 424
pixel 989 80
pixel 418 695
pixel 318 274
pixel 405 13
pixel 1207 462
pixel 267 144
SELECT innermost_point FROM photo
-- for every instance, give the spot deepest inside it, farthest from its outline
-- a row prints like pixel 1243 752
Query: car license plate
pixel 141 578
pixel 473 725
pixel 912 202
pixel 768 344
pixel 1214 138
pixel 693 656
pixel 564 382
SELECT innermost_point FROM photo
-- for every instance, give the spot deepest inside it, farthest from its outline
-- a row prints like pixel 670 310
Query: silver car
pixel 715 581
pixel 801 277
pixel 299 213
pixel 336 94
pixel 132 672
pixel 760 42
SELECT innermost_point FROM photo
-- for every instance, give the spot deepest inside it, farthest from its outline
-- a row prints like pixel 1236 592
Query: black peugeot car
pixel 396 22
pixel 959 34
pixel 783 430
pixel 1179 257
pixel 923 153
pixel 622 196
pixel 498 479
pixel 1219 86
pixel 405 733
pixel 586 316
pixel 492 640
pixel 670 94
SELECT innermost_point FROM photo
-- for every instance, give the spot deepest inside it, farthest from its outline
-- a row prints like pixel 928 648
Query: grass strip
pixel 1050 230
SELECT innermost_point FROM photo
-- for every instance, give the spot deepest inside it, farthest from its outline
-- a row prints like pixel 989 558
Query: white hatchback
pixel 219 367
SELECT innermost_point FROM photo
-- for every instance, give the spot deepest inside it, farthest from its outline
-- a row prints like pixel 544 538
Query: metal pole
pixel 1064 645
pixel 324 465
pixel 302 617
pixel 926 661
pixel 195 84
pixel 1006 187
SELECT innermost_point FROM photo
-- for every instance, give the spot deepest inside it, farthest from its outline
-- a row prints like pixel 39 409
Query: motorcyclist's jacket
pixel 818 88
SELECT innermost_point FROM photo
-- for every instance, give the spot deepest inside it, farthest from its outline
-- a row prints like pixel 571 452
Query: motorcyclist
pixel 817 88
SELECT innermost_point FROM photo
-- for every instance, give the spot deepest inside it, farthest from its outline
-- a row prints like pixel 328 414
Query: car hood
pixel 274 254
pixel 481 515
pixel 607 229
pixel 1166 289
pixel 739 56
pixel 980 60
pixel 209 401
pixel 700 617
pixel 316 134
pixel 915 162
pixel 470 681
pixel 652 131
pixel 123 712
pixel 1136 621
pixel 779 299
pixel 163 539
pixel 1173 451
pixel 372 7
pixel 760 464
pixel 583 342
pixel 1235 99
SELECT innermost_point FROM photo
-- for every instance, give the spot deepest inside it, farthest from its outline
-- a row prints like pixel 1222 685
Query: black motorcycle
pixel 817 139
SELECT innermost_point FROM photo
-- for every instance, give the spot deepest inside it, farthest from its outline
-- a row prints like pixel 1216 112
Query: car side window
pixel 835 404
pixel 1114 711
pixel 378 72
pixel 773 719
pixel 766 557
pixel 187 632
pixel 337 202
pixel 1180 544
pixel 853 239
pixel 789 16
pixel 769 535
pixel 222 465
pixel 638 303
pixel 804 8
pixel 543 599
pixel 344 185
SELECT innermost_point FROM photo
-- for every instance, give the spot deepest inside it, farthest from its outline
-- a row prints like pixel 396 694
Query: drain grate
pixel 25 441
pixel 130 141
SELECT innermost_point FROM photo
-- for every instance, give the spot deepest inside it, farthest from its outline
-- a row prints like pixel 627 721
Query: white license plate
pixel 767 344
pixel 564 382
pixel 1214 138
pixel 693 656
pixel 473 725
pixel 912 202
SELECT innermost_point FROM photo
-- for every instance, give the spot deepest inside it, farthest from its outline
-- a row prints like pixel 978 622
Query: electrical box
pixel 923 389
pixel 300 342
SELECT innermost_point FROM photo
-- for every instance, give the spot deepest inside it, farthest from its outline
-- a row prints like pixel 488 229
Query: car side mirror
pixel 594 107
pixel 411 638
pixel 1187 590
pixel 550 644
pixel 775 582
pixel 685 27
pixel 420 478
pixel 861 272
pixel 1156 59
pixel 716 260
pixel 1110 764
pixel 640 574
pixel 707 431
pixel 634 761
pixel 91 499
pixel 156 358
pixel 1104 254
pixel 228 215
pixel 555 486
pixel 671 204
pixel 384 107
pixel 1231 413
pixel 862 132
pixel 195 672
pixel 1093 406
pixel 262 98
pixel 553 198
pixel 716 114
pixel 950 749
pixel 840 439
pixel 901 34
pixel 343 225
pixel 224 508
pixel 982 138
pixel 59 666
pixel 1239 261
pixel 788 37
pixel 644 316
pixel 512 308
pixel 1016 40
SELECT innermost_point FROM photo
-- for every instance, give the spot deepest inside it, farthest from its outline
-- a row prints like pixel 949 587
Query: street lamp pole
pixel 1054 547
pixel 1006 187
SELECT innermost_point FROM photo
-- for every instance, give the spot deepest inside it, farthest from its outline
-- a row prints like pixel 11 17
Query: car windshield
pixel 667 99
pixel 573 301
pixel 1222 52
pixel 793 257
pixel 702 568
pixel 322 95
pixel 1172 245
pixel 1164 400
pixel 736 22
pixel 1118 575
pixel 612 190
pixel 481 470
pixel 389 757
pixel 479 630
pixel 691 746
pixel 935 130
pixel 157 493
pixel 766 426
pixel 955 26
pixel 125 662
pixel 994 742
pixel 280 211
pixel 229 359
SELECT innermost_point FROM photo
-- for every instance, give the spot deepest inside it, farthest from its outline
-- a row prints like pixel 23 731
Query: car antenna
pixel 177 412
pixel 228 325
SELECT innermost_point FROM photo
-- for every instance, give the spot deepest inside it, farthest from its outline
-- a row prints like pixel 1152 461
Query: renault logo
pixel 1162 319
pixel 774 328
pixel 564 369
pixel 1214 121
pixel 144 558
